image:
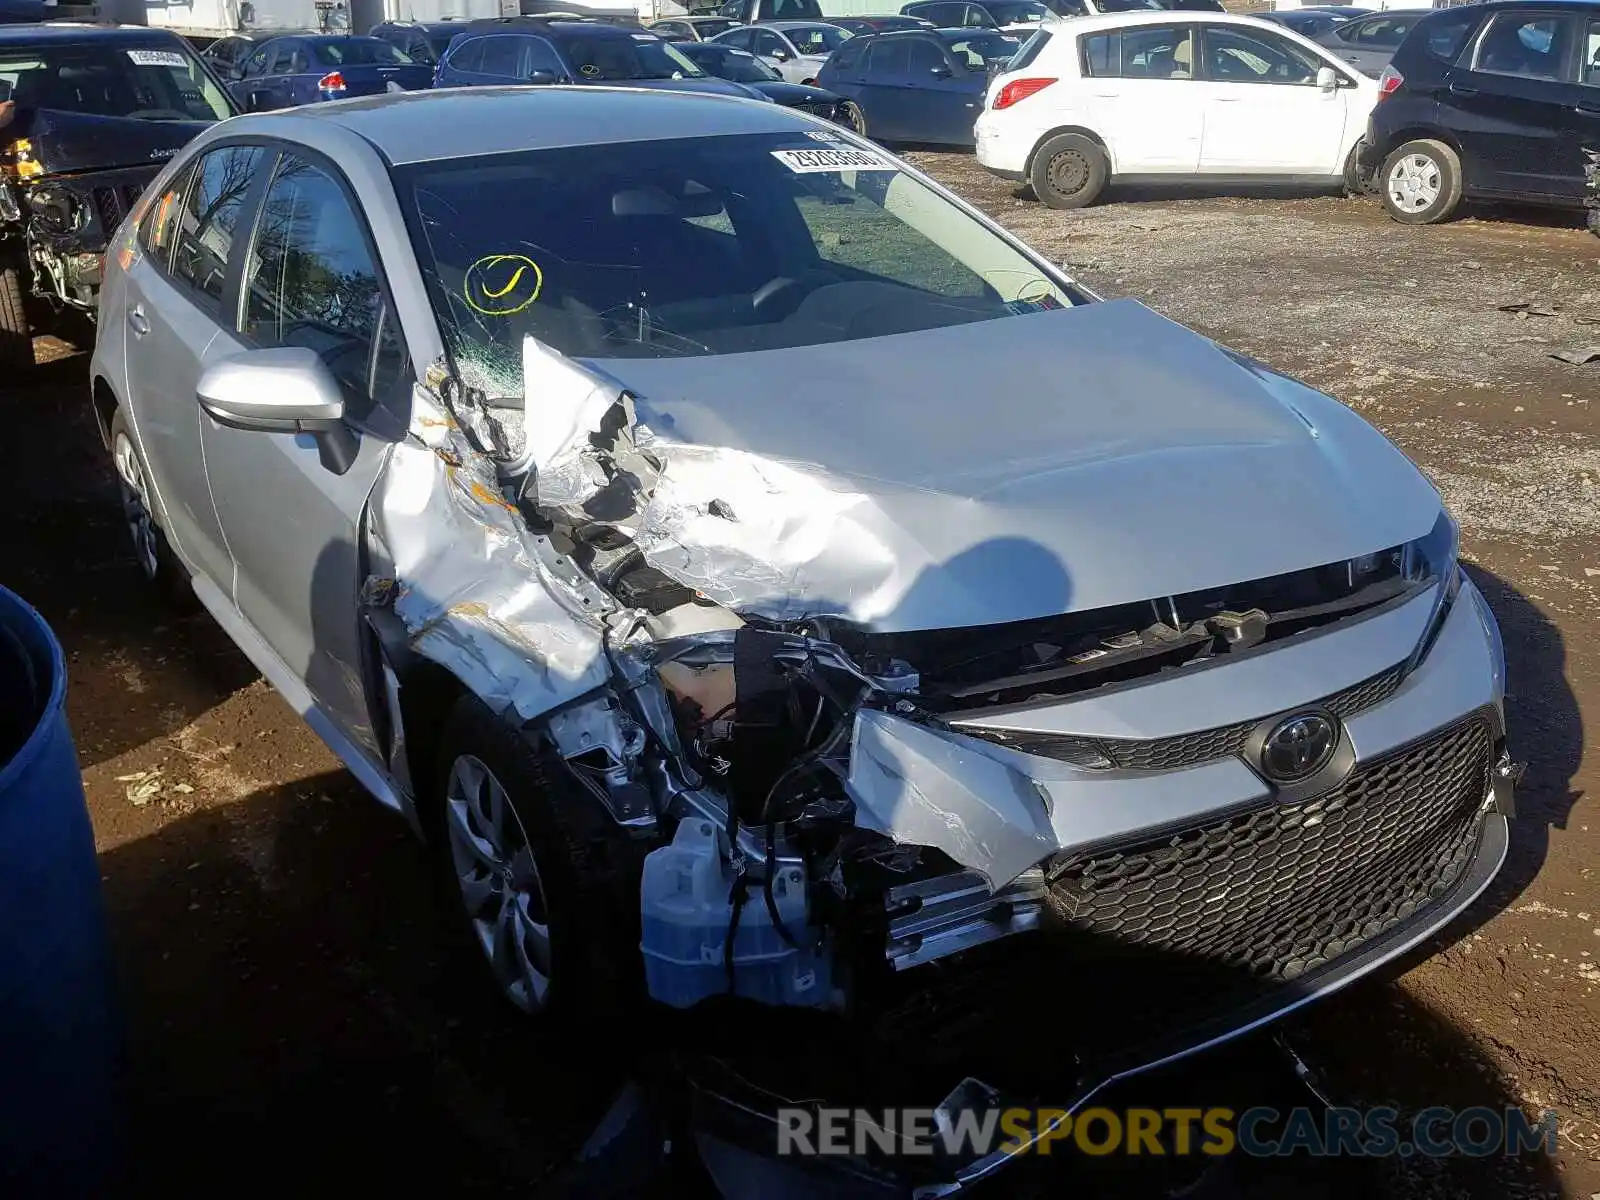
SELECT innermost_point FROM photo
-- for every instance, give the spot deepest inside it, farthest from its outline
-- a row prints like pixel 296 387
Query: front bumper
pixel 1190 906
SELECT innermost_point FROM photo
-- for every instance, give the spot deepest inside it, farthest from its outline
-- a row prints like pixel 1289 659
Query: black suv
pixel 88 115
pixel 1496 101
pixel 421 41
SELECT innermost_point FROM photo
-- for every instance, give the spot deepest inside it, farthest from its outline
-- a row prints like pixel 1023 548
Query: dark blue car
pixel 528 50
pixel 919 85
pixel 307 68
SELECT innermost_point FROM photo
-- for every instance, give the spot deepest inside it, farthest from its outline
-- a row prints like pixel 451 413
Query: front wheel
pixel 16 332
pixel 1421 182
pixel 517 843
pixel 1069 171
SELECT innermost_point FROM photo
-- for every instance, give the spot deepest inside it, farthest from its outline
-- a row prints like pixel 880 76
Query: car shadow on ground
pixel 70 556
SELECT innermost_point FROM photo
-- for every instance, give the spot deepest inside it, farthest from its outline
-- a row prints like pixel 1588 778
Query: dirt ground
pixel 297 1006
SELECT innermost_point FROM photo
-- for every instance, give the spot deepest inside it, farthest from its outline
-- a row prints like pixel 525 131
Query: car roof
pixel 795 24
pixel 427 126
pixel 70 32
pixel 536 26
pixel 1160 17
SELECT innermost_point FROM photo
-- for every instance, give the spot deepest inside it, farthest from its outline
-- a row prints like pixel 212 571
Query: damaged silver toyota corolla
pixel 763 576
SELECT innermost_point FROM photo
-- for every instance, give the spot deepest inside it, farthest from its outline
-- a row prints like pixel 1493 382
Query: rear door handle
pixel 138 322
pixel 1457 89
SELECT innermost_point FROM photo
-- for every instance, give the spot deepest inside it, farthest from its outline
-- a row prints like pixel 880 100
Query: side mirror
pixel 941 72
pixel 1327 79
pixel 780 56
pixel 288 389
pixel 541 76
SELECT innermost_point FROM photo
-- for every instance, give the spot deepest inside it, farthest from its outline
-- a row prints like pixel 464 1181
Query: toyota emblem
pixel 1298 747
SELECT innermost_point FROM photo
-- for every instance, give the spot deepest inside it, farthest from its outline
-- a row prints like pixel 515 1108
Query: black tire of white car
pixel 1420 182
pixel 16 332
pixel 155 559
pixel 541 880
pixel 1069 171
pixel 1354 185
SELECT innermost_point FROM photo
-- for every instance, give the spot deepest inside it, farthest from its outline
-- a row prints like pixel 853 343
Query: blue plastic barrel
pixel 58 1041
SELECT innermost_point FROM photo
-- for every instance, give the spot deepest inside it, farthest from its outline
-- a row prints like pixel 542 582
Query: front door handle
pixel 138 322
pixel 1457 89
pixel 1587 106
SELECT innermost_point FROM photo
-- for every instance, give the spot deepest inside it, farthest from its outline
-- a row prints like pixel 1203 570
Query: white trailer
pixel 217 18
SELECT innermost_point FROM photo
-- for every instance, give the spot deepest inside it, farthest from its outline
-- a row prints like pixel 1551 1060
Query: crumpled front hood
pixel 1004 470
pixel 71 141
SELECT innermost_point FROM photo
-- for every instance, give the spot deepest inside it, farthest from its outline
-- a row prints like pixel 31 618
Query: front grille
pixel 1189 749
pixel 1282 889
pixel 112 204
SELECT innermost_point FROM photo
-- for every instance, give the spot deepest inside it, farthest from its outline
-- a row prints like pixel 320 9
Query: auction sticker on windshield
pixel 157 58
pixel 809 162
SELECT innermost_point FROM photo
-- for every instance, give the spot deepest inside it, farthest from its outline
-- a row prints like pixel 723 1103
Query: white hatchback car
pixel 1165 96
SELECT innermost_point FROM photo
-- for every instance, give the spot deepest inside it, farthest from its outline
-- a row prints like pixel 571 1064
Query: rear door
pixel 1264 113
pixel 1586 109
pixel 310 278
pixel 1142 96
pixel 882 92
pixel 1513 106
pixel 174 313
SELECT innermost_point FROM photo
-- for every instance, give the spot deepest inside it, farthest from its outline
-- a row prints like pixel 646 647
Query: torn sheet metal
pixel 478 592
pixel 920 787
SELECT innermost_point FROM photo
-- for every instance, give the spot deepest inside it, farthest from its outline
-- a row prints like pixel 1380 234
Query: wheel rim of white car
pixel 1068 172
pixel 135 511
pixel 499 882
pixel 1414 183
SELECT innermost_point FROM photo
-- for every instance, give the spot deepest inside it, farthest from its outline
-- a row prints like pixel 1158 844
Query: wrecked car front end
pixel 1172 725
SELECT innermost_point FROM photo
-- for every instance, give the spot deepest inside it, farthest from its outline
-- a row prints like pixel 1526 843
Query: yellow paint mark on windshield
pixel 501 285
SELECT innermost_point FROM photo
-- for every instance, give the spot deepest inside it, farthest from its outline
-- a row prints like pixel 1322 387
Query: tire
pixel 520 848
pixel 1591 218
pixel 854 117
pixel 1354 185
pixel 16 331
pixel 1069 171
pixel 1420 182
pixel 155 559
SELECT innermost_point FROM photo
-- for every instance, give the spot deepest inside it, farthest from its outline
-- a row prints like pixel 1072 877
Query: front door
pixel 944 97
pixel 1514 108
pixel 292 520
pixel 1264 113
pixel 173 314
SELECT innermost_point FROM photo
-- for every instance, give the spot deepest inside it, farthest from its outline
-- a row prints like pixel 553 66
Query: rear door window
pixel 1382 33
pixel 892 56
pixel 1141 52
pixel 468 55
pixel 209 217
pixel 1532 45
pixel 502 56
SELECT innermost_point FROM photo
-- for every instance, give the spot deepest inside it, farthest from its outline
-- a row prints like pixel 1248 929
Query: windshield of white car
pixel 700 246
pixel 641 56
pixel 820 40
pixel 155 83
pixel 1019 14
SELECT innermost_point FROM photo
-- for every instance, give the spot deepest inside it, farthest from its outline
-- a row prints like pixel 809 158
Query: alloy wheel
pixel 135 505
pixel 499 882
pixel 1414 183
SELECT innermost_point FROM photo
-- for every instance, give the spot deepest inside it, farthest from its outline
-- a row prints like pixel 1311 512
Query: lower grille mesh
pixel 1280 890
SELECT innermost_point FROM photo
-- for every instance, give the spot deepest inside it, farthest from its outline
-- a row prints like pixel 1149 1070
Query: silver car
pixel 796 49
pixel 757 573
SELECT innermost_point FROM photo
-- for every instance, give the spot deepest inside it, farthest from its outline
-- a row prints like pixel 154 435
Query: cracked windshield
pixel 710 246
